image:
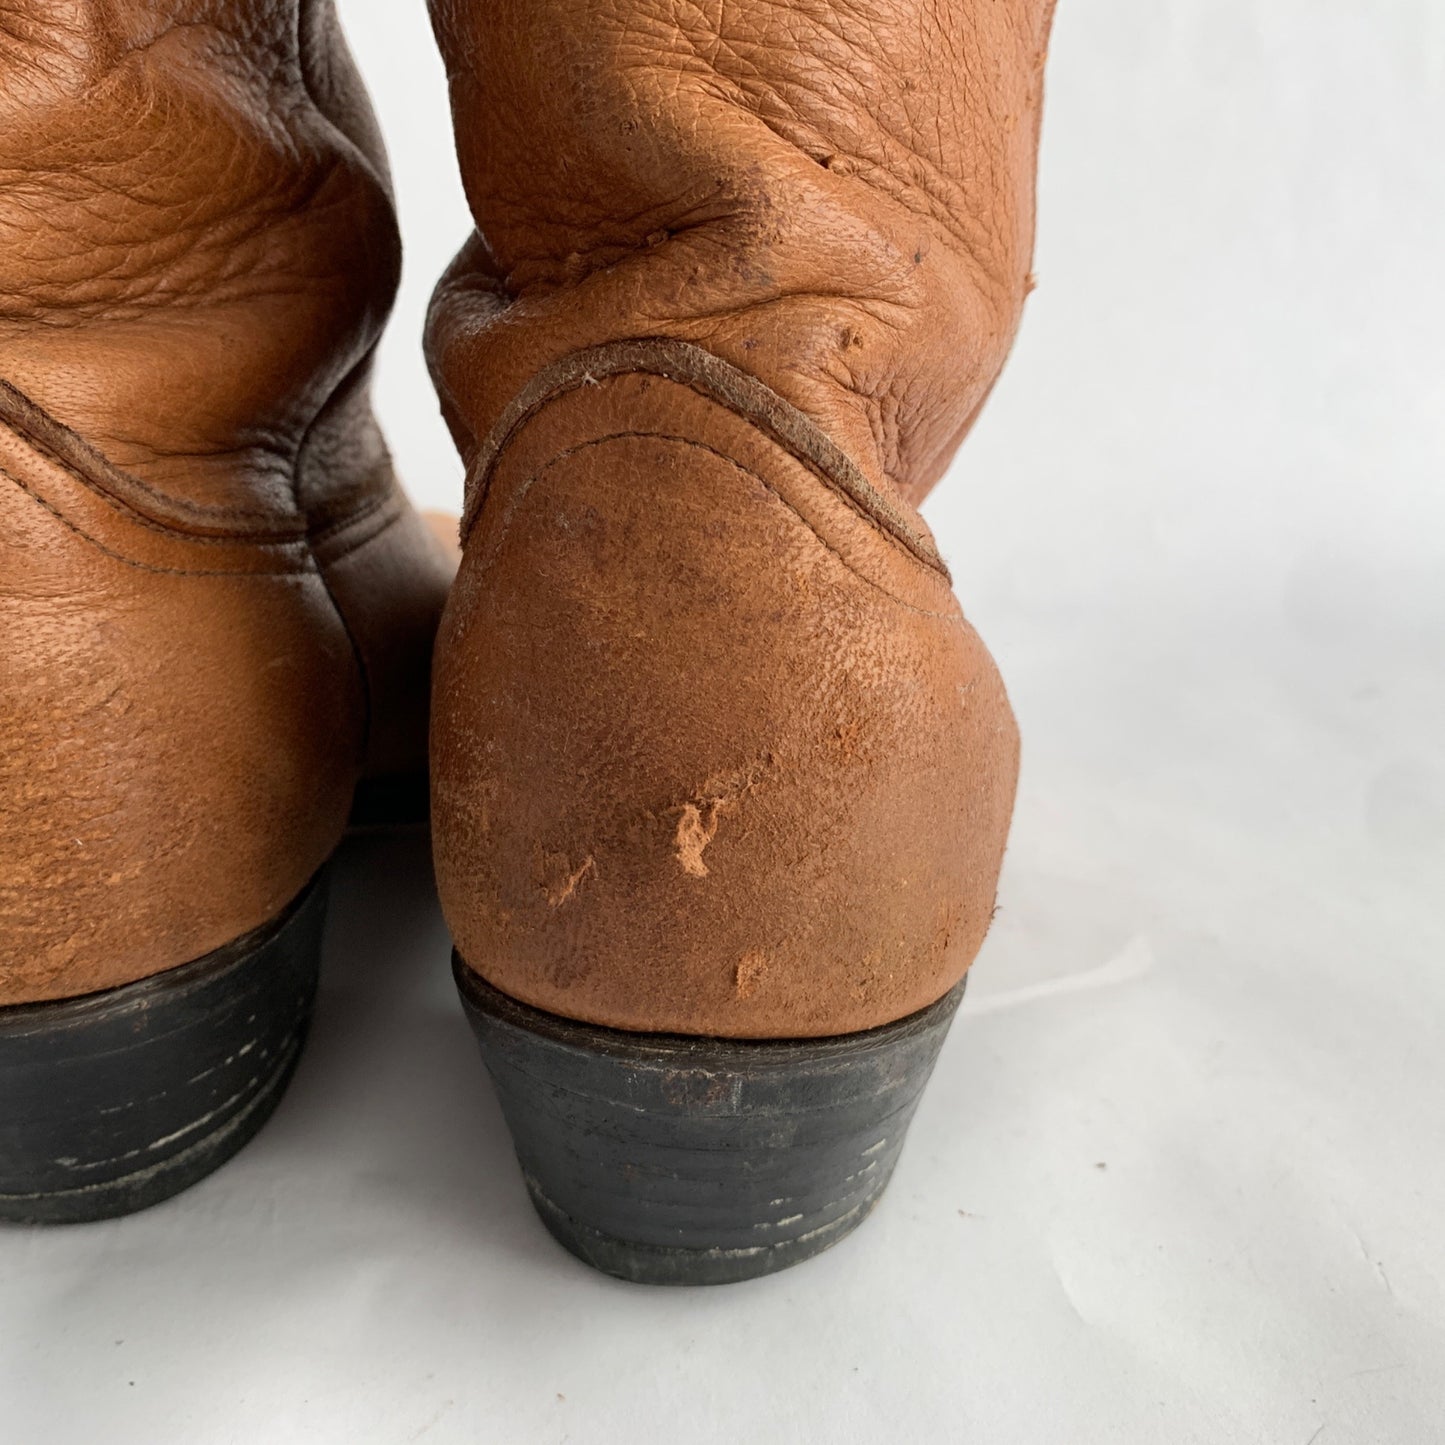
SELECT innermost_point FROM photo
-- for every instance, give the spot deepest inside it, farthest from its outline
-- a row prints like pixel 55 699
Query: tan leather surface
pixel 714 750
pixel 712 753
pixel 215 603
pixel 837 196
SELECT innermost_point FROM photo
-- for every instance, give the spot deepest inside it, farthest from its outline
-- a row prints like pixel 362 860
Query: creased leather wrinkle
pixel 216 606
pixel 714 749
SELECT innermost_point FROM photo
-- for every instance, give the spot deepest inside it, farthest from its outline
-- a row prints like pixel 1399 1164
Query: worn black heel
pixel 672 1160
pixel 115 1101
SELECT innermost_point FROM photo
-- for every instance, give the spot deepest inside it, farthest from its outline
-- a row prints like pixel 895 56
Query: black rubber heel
pixel 118 1100
pixel 671 1160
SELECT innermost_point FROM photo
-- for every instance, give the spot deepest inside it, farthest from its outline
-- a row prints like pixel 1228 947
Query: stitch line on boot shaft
pixel 718 381
pixel 308 563
pixel 139 519
pixel 307 566
pixel 36 429
pixel 52 439
pixel 950 618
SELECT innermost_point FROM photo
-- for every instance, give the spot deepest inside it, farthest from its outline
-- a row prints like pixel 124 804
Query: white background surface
pixel 1180 1174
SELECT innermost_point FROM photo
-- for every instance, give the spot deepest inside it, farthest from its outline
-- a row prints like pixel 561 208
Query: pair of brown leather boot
pixel 720 776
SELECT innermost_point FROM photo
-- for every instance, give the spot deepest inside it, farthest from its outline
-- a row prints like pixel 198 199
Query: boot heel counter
pixel 179 736
pixel 712 753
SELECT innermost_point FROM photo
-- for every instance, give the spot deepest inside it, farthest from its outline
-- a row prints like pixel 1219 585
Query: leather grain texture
pixel 715 751
pixel 216 606
pixel 711 753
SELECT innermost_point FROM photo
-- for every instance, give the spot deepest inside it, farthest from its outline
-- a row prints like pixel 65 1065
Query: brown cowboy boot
pixel 721 775
pixel 216 607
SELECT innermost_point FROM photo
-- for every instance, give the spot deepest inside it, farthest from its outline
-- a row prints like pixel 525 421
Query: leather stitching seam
pixel 13 418
pixel 574 372
pixel 131 516
pixel 562 456
pixel 308 568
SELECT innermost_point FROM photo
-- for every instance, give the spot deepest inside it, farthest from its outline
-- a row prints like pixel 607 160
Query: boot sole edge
pixel 663 1159
pixel 115 1101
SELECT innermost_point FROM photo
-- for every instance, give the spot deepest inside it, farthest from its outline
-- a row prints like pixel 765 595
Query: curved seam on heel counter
pixel 688 365
pixel 134 518
pixel 569 452
pixel 299 571
pixel 331 529
pixel 28 421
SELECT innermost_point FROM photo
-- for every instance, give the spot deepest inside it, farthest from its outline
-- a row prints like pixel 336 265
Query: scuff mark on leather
pixel 748 974
pixel 695 830
pixel 699 816
pixel 563 884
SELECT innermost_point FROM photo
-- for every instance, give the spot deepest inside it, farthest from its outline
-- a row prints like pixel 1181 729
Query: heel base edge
pixel 653 1264
pixel 666 1160
pixel 114 1101
pixel 143 1188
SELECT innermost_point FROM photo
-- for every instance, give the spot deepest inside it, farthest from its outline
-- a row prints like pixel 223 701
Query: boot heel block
pixel 671 1160
pixel 118 1100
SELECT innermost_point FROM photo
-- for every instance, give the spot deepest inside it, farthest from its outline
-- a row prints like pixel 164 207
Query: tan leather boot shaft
pixel 714 749
pixel 215 604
